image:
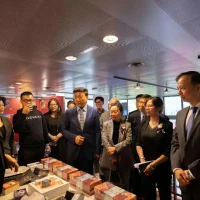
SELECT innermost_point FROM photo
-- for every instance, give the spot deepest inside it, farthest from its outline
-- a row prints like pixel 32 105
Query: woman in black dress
pixel 54 119
pixel 154 142
pixel 5 161
pixel 6 130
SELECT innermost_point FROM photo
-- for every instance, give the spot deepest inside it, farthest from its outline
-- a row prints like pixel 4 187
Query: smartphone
pixel 34 107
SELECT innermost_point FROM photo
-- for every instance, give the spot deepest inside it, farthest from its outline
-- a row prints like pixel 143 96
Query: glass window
pixel 125 107
pixel 90 102
pixel 185 104
pixel 132 105
pixel 172 105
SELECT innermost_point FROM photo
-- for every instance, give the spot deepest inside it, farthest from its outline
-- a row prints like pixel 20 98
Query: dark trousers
pixel 30 154
pixel 136 183
pixel 191 192
pixel 114 177
pixel 162 177
pixel 60 151
pixel 82 163
pixel 1 181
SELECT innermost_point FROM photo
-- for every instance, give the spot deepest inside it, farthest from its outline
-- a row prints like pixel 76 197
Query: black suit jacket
pixel 186 154
pixel 9 142
pixel 91 133
pixel 134 118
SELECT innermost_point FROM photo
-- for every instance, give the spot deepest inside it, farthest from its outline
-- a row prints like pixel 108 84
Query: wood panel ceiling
pixel 36 36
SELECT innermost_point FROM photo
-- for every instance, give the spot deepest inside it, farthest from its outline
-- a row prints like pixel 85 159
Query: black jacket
pixel 32 128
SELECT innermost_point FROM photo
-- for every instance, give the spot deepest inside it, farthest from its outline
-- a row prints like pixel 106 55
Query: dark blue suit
pixel 91 133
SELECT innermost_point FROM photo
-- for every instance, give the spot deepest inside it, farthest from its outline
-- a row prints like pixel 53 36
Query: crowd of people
pixel 85 134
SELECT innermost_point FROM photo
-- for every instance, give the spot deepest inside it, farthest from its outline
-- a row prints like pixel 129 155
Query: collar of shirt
pixel 190 112
pixel 84 108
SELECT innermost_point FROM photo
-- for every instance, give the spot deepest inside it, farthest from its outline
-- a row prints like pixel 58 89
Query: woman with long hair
pixel 6 131
pixel 54 119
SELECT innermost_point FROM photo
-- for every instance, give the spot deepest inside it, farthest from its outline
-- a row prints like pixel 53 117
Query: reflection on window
pixel 172 105
pixel 132 105
pixel 90 102
pixel 185 104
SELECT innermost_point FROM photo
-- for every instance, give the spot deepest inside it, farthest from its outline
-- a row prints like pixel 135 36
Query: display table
pixel 10 195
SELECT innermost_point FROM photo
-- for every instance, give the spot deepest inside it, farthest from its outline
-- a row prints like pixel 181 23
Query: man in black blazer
pixel 185 151
pixel 82 131
pixel 135 118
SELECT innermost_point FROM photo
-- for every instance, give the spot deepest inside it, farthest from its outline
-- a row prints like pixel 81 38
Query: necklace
pixel 153 124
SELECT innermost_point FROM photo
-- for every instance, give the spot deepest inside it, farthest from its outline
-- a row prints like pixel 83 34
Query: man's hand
pixel 96 156
pixel 111 150
pixel 79 140
pixel 182 177
pixel 27 109
pixel 12 163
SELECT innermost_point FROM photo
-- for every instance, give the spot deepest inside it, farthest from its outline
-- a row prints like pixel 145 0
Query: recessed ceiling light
pixel 18 83
pixel 11 87
pixel 71 58
pixel 89 49
pixel 110 39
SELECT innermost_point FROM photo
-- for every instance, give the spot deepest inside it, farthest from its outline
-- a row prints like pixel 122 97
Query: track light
pixel 166 90
pixel 138 86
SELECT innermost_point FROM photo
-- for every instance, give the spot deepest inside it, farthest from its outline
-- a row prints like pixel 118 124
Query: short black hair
pixel 195 77
pixel 139 96
pixel 119 105
pixel 146 96
pixel 25 93
pixel 3 99
pixel 157 102
pixel 70 102
pixel 81 89
pixel 99 97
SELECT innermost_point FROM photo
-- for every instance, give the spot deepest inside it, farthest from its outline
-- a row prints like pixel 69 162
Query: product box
pixel 49 163
pixel 64 171
pixel 45 159
pixel 10 187
pixel 125 196
pixel 86 183
pixel 100 189
pixel 109 191
pixel 74 176
pixel 20 193
pixel 51 186
pixel 57 165
pixel 32 166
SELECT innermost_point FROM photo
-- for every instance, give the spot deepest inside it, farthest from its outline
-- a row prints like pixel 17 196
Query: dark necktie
pixel 81 119
pixel 191 120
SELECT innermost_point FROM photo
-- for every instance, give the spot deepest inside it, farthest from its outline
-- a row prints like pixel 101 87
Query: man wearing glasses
pixel 99 101
pixel 30 124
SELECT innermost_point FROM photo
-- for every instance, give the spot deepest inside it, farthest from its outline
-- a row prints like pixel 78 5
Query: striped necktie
pixel 191 120
pixel 81 118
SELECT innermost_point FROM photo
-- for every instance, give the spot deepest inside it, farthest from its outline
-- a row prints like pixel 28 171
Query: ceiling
pixel 36 36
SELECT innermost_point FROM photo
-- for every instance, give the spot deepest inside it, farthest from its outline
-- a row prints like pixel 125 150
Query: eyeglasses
pixel 98 102
pixel 51 105
pixel 27 100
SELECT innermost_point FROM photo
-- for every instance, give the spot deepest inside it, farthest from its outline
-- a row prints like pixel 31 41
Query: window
pixel 132 105
pixel 185 104
pixel 172 105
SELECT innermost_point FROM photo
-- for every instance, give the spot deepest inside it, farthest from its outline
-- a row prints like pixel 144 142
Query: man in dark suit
pixel 185 151
pixel 135 118
pixel 82 131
